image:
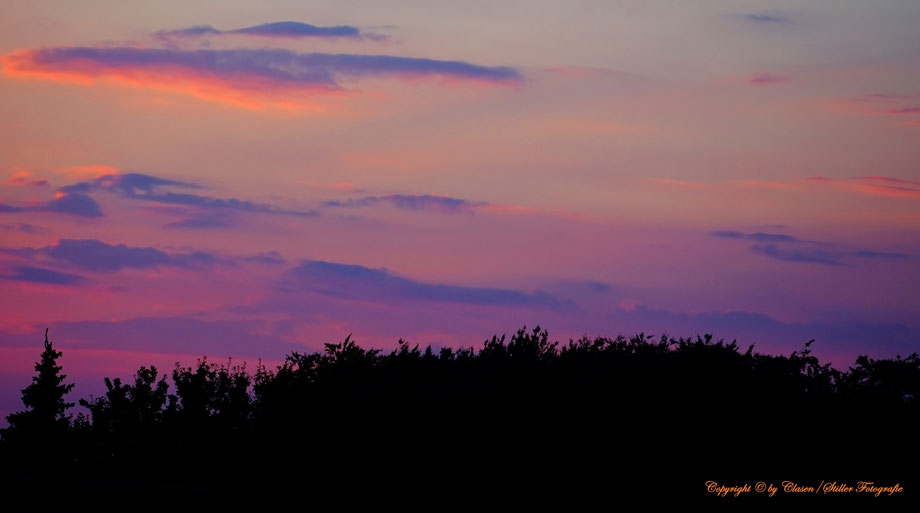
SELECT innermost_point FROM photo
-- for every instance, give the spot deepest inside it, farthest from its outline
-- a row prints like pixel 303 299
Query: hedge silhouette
pixel 610 412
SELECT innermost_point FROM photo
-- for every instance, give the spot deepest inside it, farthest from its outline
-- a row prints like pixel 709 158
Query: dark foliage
pixel 621 416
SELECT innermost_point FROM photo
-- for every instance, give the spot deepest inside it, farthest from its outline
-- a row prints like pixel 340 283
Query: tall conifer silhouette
pixel 44 419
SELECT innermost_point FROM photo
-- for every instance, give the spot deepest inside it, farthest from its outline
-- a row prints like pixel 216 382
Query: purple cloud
pixel 45 276
pixel 75 204
pixel 356 281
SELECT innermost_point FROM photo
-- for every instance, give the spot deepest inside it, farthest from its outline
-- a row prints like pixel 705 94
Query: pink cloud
pixel 24 178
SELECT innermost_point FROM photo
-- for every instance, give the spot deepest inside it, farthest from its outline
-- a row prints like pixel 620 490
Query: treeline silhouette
pixel 642 415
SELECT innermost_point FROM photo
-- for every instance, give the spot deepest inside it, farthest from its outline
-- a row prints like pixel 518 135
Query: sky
pixel 243 180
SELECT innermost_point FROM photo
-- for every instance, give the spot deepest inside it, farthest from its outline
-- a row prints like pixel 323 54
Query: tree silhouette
pixel 40 430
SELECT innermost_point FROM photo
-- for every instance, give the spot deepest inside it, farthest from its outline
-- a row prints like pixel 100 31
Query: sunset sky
pixel 246 179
